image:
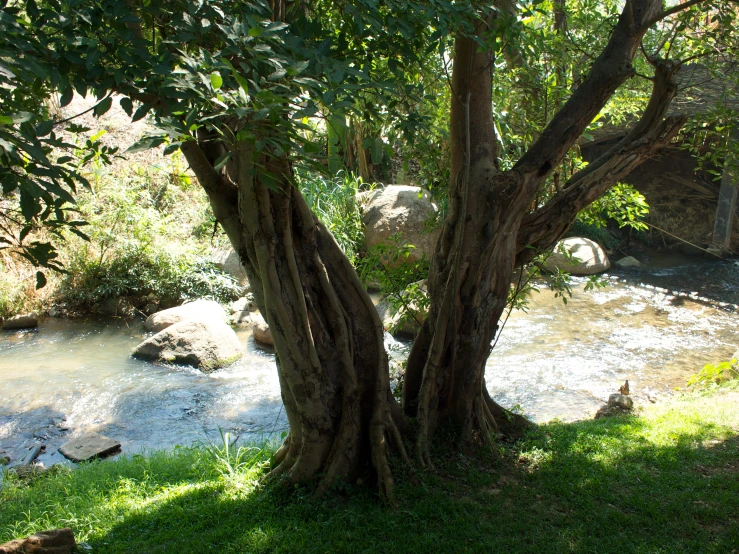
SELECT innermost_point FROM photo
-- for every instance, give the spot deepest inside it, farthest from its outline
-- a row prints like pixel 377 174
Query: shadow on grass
pixel 619 485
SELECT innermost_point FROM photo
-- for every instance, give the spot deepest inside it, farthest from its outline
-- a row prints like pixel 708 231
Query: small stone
pixel 620 401
pixel 629 262
pixel 88 447
pixel 21 321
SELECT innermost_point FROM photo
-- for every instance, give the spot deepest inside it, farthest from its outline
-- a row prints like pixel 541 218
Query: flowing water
pixel 74 376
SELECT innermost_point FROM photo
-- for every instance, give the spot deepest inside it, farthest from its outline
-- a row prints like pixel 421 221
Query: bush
pixel 141 274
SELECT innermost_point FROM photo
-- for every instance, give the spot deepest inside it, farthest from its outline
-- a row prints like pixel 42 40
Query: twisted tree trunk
pixel 331 360
pixel 489 230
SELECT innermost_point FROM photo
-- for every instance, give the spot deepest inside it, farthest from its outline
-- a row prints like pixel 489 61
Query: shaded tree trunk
pixel 489 230
pixel 331 360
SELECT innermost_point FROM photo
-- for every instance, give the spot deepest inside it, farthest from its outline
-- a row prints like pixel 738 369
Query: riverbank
pixel 664 480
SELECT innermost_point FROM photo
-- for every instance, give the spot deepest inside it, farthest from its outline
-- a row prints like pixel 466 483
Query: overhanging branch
pixel 542 228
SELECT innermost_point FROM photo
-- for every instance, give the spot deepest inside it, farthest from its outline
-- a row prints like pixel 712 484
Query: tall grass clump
pixel 333 200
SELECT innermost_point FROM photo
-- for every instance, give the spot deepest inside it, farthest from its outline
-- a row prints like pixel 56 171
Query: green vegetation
pixel 715 374
pixel 666 481
pixel 334 201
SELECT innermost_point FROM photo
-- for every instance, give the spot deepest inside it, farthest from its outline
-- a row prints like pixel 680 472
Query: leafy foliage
pixel 713 374
pixel 142 274
pixel 334 201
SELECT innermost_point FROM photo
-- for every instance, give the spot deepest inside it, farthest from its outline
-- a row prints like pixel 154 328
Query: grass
pixel 664 481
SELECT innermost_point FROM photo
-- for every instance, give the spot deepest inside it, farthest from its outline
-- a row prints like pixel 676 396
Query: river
pixel 654 326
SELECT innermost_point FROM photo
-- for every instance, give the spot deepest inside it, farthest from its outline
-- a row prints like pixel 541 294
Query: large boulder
pixel 578 256
pixel 401 210
pixel 207 345
pixel 229 262
pixel 198 310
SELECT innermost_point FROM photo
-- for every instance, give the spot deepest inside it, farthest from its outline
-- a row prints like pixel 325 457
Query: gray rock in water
pixel 241 311
pixel 629 262
pixel 578 256
pixel 260 330
pixel 404 210
pixel 198 310
pixel 621 401
pixel 88 447
pixel 207 345
pixel 21 321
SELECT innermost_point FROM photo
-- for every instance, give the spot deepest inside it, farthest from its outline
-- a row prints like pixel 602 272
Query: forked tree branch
pixel 542 228
pixel 611 69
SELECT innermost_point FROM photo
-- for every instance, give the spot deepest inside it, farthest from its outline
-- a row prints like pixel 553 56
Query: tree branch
pixel 609 71
pixel 542 228
pixel 673 10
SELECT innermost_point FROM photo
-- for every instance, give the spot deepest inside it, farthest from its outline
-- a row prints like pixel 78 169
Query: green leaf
pixel 222 161
pixel 6 120
pixel 141 112
pixel 40 280
pixel 66 97
pixel 126 105
pixel 44 128
pixel 103 106
pixel 216 80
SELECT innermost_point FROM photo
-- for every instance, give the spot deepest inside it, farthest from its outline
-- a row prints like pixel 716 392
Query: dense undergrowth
pixel 665 481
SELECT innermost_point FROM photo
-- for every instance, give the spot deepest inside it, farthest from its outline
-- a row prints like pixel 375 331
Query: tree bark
pixel 331 360
pixel 488 226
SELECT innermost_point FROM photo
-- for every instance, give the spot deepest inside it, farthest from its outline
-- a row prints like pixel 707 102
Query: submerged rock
pixel 578 256
pixel 90 446
pixel 629 262
pixel 198 310
pixel 404 210
pixel 57 541
pixel 21 321
pixel 207 345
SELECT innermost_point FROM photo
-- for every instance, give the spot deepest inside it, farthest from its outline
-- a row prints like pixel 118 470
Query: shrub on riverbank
pixel 666 481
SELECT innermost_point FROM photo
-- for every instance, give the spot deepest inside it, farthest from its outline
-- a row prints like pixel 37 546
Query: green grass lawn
pixel 664 481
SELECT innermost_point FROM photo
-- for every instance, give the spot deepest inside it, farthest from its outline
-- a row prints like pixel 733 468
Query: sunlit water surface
pixel 73 376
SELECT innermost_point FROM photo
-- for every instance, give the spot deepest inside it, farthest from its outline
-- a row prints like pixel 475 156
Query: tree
pixel 230 84
pixel 495 224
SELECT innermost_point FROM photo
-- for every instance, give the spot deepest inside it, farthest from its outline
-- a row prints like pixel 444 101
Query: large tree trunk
pixel 488 227
pixel 331 360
